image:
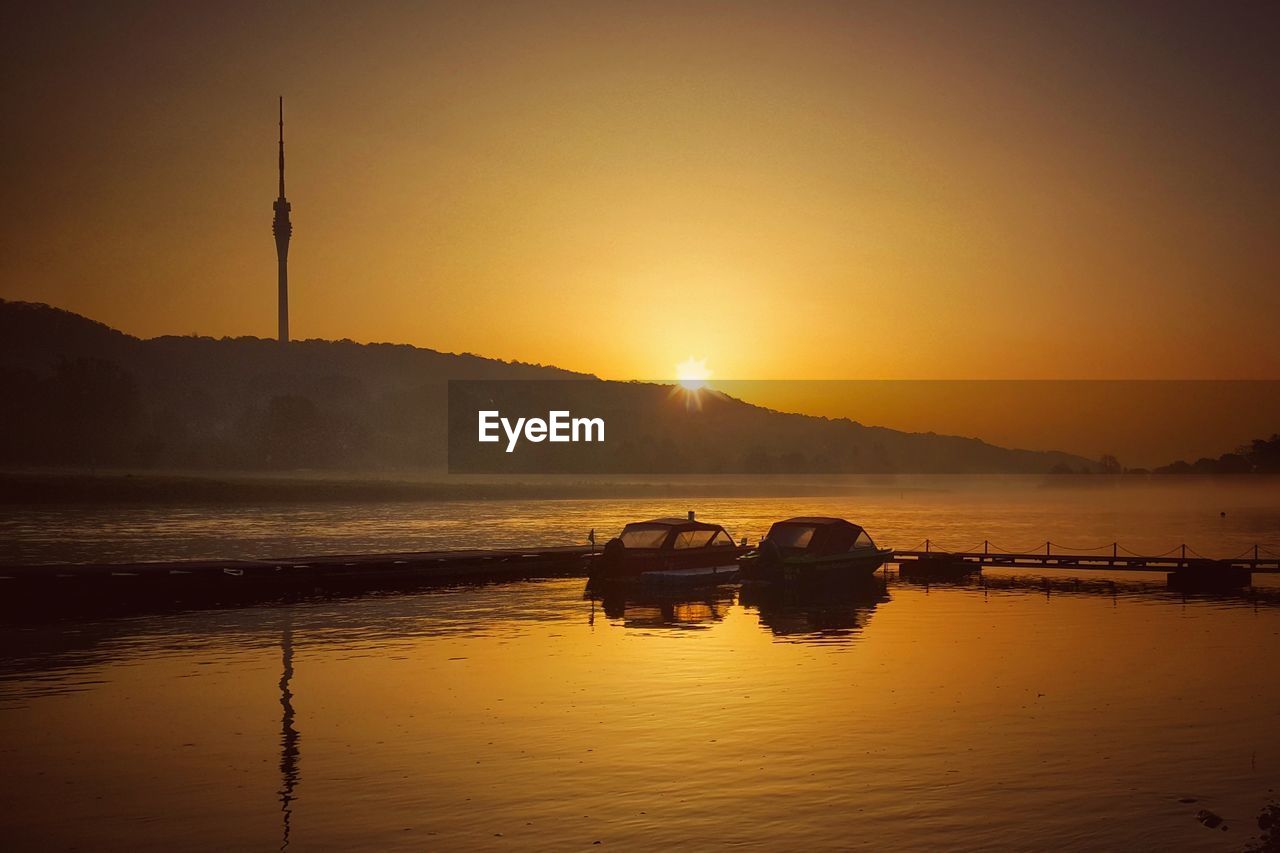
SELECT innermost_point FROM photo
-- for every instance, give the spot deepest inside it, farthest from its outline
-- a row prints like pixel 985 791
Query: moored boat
pixel 814 549
pixel 669 551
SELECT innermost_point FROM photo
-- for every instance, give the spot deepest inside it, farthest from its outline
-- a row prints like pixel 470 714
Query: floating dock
pixel 217 580
pixel 1182 567
pixel 46 587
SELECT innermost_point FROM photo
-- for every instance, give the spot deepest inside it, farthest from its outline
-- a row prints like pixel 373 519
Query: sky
pixel 783 190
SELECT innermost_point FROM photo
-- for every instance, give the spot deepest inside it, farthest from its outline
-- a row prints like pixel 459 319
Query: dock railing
pixel 1113 555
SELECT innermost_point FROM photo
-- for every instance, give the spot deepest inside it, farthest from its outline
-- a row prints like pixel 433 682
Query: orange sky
pixel 800 190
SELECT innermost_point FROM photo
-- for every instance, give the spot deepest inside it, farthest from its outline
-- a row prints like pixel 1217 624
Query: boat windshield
pixel 644 536
pixel 694 538
pixel 792 535
pixel 863 540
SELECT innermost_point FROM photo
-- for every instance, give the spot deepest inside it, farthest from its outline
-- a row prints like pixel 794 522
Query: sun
pixel 693 373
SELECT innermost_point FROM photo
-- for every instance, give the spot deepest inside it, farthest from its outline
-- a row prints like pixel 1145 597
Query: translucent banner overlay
pixel 862 427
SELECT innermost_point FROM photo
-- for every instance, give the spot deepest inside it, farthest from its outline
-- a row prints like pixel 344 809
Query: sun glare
pixel 693 373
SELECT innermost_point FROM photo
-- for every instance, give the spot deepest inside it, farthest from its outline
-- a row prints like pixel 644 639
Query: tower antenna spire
pixel 282 146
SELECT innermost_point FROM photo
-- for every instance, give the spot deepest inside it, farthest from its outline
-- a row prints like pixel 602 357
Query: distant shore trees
pixel 1260 456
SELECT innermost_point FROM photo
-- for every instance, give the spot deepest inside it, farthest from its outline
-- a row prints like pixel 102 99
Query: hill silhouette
pixel 79 393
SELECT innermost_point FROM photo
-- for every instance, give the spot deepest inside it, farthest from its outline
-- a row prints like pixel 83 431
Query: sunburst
pixel 693 373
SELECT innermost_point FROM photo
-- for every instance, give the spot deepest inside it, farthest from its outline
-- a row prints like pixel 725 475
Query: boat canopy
pixel 677 533
pixel 819 535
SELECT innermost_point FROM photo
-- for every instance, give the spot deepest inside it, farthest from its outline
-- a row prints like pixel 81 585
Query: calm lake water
pixel 1218 519
pixel 525 716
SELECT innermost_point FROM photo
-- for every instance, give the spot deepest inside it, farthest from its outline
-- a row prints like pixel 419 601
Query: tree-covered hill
pixel 78 393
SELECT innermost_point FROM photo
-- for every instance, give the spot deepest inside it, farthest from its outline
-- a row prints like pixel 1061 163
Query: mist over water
pixel 1216 517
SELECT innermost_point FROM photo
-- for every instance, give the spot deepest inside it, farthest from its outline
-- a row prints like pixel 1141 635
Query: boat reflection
pixel 827 613
pixel 681 609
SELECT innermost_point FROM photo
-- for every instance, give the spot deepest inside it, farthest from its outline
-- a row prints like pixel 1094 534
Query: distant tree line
pixel 1106 464
pixel 88 412
pixel 84 413
pixel 1260 456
